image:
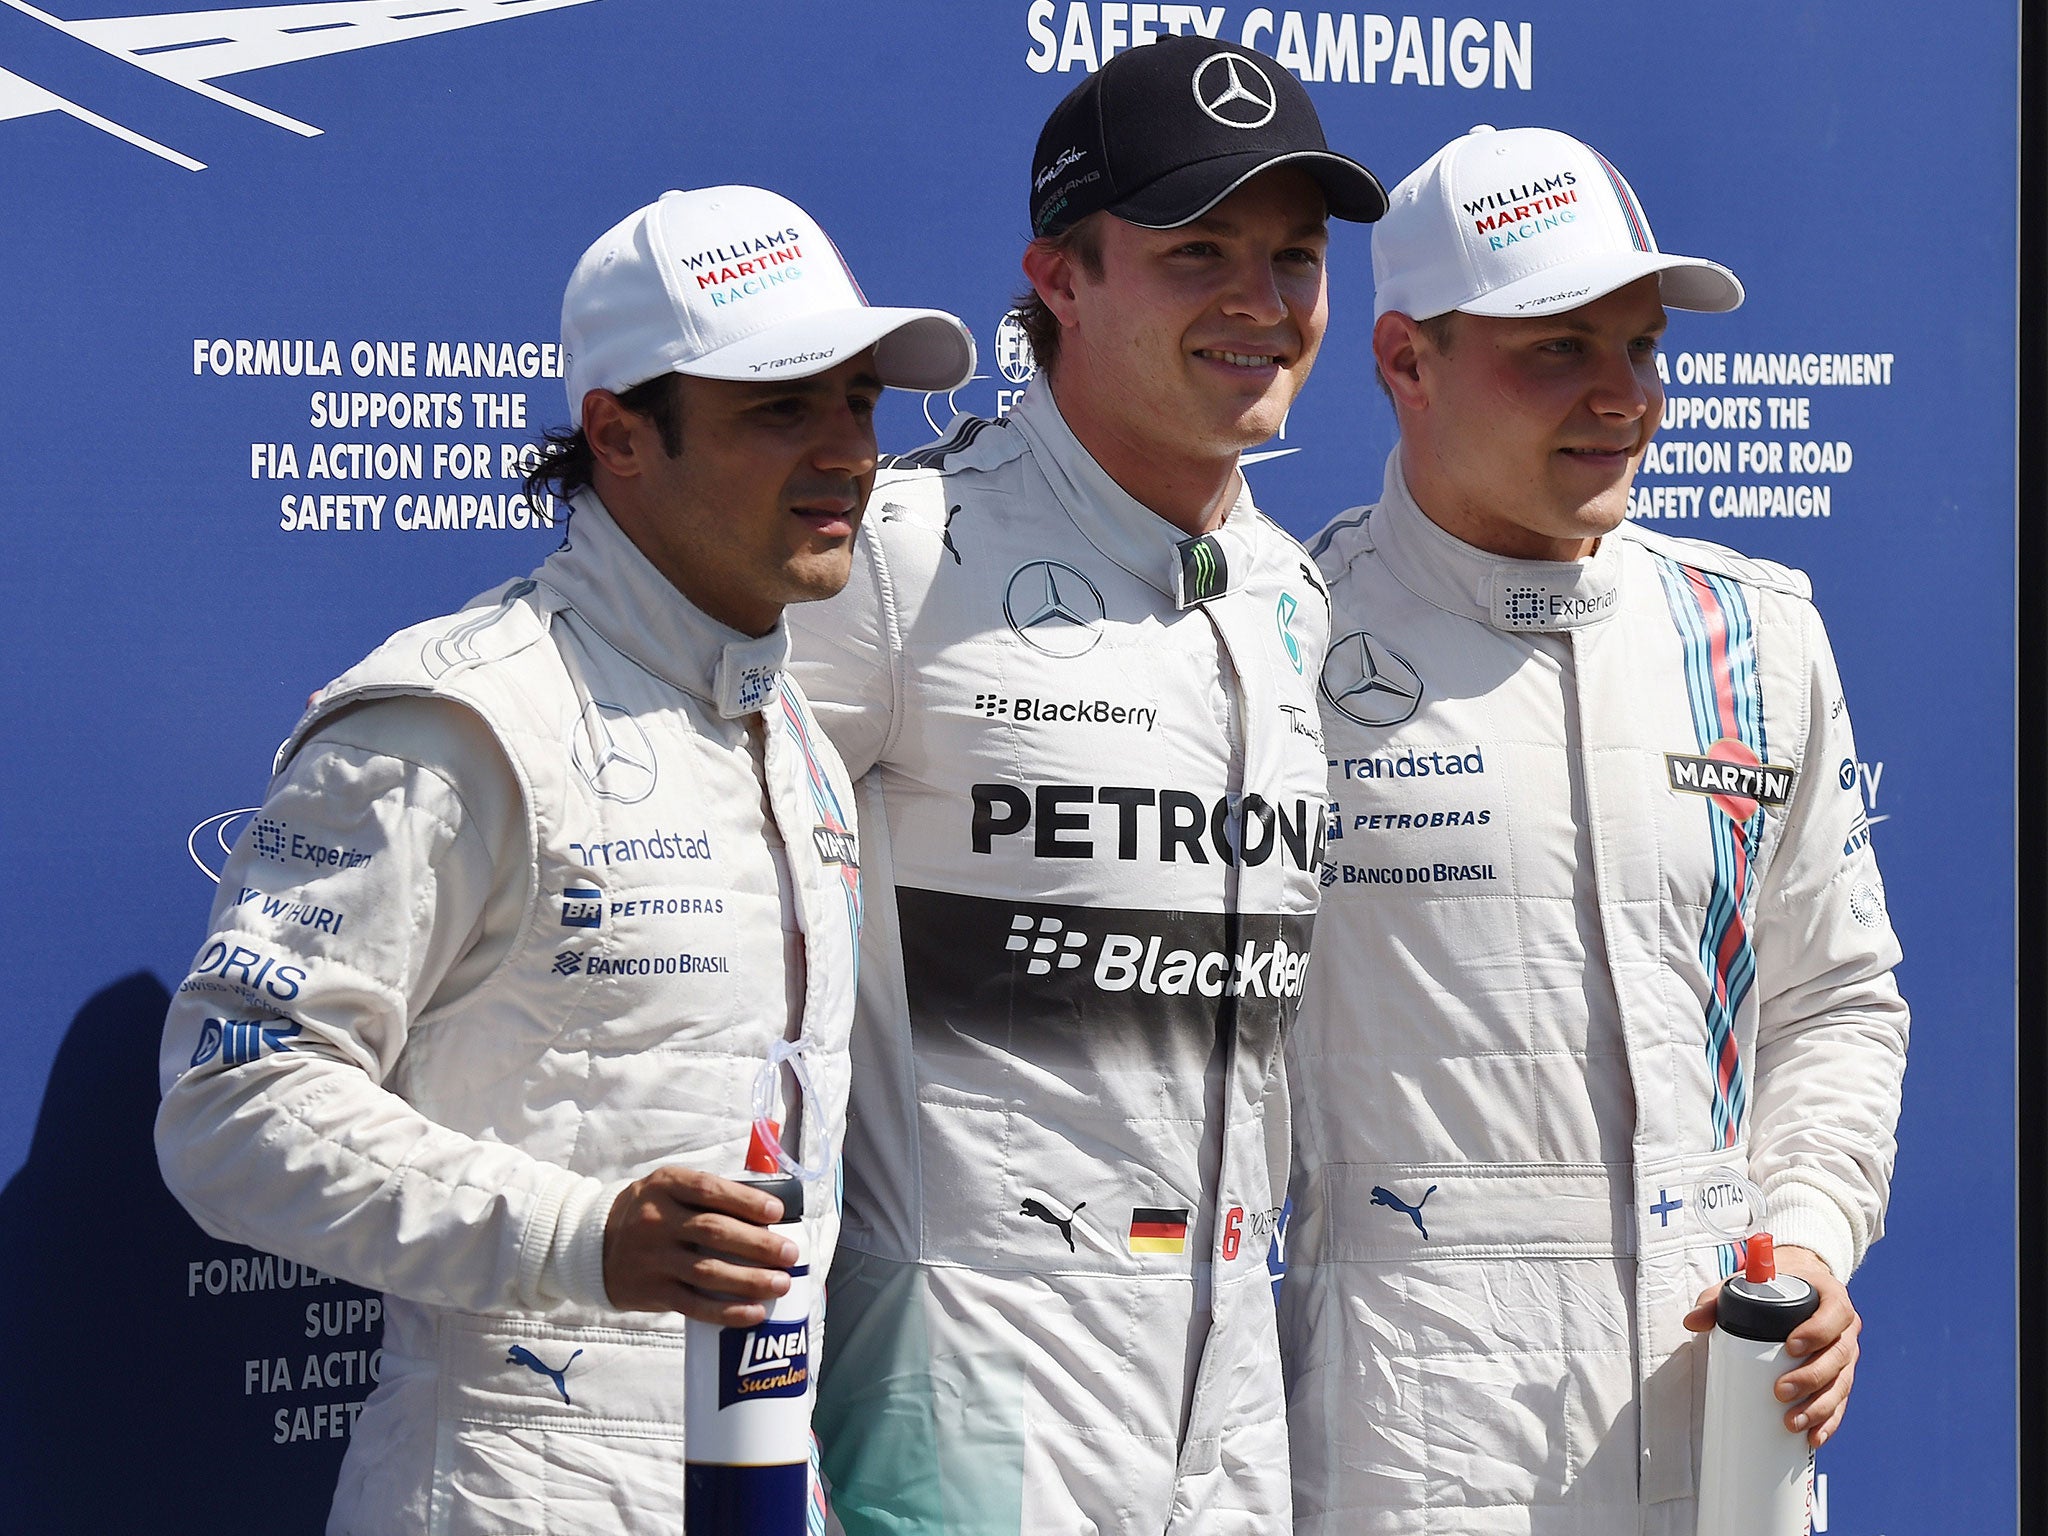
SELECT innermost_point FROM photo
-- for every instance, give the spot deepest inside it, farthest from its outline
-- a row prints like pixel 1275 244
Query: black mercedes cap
pixel 1163 133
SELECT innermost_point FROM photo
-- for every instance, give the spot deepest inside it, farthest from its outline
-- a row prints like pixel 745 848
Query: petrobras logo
pixel 772 1360
pixel 582 907
pixel 1152 965
pixel 1129 822
pixel 190 50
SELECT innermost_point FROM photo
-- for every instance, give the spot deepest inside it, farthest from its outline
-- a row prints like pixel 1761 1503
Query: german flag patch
pixel 1157 1231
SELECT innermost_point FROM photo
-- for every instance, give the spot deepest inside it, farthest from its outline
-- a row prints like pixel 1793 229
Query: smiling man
pixel 539 890
pixel 1603 925
pixel 1074 675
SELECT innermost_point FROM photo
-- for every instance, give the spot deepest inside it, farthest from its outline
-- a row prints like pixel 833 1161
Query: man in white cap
pixel 1603 935
pixel 1074 672
pixel 542 888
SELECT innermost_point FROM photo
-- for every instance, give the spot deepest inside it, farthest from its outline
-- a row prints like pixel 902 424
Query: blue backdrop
pixel 341 228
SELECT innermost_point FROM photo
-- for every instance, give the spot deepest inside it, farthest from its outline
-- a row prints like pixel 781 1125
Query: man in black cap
pixel 1074 678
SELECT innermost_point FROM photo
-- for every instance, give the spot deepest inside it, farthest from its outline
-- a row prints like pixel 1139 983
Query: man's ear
pixel 619 440
pixel 1051 270
pixel 1397 343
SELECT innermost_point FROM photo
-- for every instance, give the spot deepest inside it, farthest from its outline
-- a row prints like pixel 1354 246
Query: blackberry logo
pixel 1054 944
pixel 1027 711
pixel 1522 605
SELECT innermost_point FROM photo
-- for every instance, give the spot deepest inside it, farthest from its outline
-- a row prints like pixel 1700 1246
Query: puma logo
pixel 519 1354
pixel 1064 1223
pixel 1388 1198
pixel 953 549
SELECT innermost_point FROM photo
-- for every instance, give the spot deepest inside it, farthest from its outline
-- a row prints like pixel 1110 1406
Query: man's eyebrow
pixel 1570 322
pixel 1307 229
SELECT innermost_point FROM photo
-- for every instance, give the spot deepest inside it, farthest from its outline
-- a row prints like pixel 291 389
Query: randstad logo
pixel 193 49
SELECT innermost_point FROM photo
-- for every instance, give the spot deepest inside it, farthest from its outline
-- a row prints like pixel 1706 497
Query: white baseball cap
pixel 737 283
pixel 1524 221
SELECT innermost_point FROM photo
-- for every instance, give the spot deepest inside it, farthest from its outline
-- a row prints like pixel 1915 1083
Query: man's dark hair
pixel 1438 328
pixel 1081 242
pixel 566 461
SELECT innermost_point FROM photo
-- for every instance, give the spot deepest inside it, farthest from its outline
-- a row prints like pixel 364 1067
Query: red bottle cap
pixel 1763 1260
pixel 759 1158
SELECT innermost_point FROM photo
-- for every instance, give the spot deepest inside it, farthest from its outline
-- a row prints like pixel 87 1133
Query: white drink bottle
pixel 1756 1476
pixel 747 1398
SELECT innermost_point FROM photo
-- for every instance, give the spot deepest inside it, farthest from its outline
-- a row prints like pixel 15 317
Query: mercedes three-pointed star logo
pixel 1238 95
pixel 1054 608
pixel 1370 683
pixel 612 752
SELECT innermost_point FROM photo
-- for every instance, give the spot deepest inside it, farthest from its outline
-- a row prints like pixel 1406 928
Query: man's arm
pixel 1830 1053
pixel 369 893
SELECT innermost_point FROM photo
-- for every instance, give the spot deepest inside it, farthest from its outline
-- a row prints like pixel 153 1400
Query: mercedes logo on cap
pixel 1234 91
pixel 1054 608
pixel 1370 683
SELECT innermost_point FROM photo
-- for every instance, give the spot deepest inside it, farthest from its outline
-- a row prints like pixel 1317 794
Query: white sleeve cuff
pixel 1803 1215
pixel 574 1267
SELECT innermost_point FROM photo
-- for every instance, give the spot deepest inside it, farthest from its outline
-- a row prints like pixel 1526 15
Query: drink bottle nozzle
pixel 760 1157
pixel 1763 1260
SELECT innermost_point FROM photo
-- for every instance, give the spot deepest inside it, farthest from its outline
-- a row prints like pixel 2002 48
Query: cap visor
pixel 914 348
pixel 1184 195
pixel 1686 282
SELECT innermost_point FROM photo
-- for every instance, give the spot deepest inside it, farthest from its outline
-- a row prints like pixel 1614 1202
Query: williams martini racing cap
pixel 1163 133
pixel 1526 221
pixel 737 283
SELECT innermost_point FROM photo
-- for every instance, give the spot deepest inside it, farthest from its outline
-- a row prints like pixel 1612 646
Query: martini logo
pixel 1732 777
pixel 135 66
pixel 1159 1231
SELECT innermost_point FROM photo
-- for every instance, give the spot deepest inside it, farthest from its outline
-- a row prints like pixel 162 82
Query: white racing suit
pixel 526 909
pixel 1602 919
pixel 1091 785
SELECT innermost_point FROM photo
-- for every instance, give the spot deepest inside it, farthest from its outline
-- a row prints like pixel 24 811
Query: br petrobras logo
pixel 582 907
pixel 1283 615
pixel 1014 356
pixel 127 61
pixel 612 752
pixel 1369 682
pixel 1053 608
pixel 1235 92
